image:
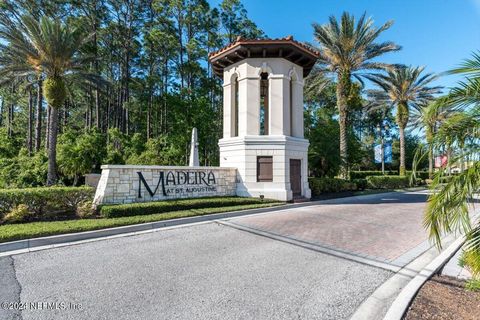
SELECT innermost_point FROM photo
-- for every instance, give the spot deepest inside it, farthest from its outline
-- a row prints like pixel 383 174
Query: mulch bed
pixel 443 298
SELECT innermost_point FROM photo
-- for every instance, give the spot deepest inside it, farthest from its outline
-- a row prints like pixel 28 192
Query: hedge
pixel 365 174
pixel 360 183
pixel 390 182
pixel 44 203
pixel 134 209
pixel 322 185
pixel 419 174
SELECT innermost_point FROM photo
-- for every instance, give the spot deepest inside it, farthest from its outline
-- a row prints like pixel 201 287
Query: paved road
pixel 216 271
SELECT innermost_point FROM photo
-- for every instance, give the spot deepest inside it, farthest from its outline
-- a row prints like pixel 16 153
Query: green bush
pixel 323 185
pixel 19 214
pixel 388 182
pixel 134 209
pixel 45 203
pixel 360 183
pixel 419 174
pixel 85 209
pixel 364 174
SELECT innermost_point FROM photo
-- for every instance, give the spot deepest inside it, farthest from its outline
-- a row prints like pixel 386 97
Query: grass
pixel 12 232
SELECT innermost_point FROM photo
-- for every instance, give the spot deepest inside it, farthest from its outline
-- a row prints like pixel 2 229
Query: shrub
pixel 388 182
pixel 134 209
pixel 419 174
pixel 18 214
pixel 364 174
pixel 45 203
pixel 360 183
pixel 85 209
pixel 322 185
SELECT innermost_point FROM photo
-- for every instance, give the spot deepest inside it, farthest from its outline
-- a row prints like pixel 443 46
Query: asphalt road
pixel 206 271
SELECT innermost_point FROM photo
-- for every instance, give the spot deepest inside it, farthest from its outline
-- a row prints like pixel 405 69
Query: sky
pixel 437 34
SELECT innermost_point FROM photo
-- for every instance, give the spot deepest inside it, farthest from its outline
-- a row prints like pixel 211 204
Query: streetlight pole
pixel 382 131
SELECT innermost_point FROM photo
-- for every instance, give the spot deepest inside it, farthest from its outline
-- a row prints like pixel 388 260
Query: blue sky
pixel 437 34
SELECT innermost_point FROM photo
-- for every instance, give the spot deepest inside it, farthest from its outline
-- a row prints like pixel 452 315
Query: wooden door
pixel 296 177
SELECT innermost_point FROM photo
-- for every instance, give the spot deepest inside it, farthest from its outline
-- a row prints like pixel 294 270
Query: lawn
pixel 12 232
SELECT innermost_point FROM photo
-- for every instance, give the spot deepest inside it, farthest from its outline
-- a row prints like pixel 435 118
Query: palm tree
pixel 429 117
pixel 404 88
pixel 346 48
pixel 50 51
pixel 449 206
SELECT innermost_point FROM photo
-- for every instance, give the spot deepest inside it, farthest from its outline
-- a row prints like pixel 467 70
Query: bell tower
pixel 263 129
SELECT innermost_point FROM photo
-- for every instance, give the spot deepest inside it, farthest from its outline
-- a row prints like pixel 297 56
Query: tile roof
pixel 242 41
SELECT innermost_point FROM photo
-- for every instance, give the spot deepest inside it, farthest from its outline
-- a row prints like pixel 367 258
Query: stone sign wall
pixel 130 183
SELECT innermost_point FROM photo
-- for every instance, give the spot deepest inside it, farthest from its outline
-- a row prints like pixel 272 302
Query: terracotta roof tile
pixel 287 40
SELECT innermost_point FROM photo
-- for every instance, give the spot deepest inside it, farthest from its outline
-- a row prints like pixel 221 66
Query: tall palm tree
pixel 404 88
pixel 347 48
pixel 48 50
pixel 429 117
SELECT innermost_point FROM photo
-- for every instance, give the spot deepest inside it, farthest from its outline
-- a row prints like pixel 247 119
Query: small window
pixel 264 169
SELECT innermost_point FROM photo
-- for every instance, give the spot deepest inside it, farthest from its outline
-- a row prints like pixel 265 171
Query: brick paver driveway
pixel 384 227
pixel 212 270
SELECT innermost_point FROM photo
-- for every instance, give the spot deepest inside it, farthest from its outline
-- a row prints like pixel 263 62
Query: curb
pixel 27 244
pixel 33 244
pixel 401 304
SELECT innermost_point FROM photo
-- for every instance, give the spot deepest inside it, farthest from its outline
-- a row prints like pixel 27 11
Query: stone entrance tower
pixel 263 115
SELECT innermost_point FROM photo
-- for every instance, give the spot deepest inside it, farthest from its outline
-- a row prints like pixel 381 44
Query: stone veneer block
pixel 122 183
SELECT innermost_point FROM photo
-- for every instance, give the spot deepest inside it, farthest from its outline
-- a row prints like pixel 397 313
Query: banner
pixel 441 161
pixel 388 152
pixel 387 149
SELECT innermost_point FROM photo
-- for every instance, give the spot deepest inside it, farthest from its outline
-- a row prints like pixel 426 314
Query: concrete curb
pixel 28 244
pixel 408 293
pixel 33 244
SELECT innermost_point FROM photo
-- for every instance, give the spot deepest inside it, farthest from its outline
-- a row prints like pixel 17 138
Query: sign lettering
pixel 170 182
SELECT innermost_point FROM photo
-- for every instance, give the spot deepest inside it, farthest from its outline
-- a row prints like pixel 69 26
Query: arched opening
pixel 234 110
pixel 264 104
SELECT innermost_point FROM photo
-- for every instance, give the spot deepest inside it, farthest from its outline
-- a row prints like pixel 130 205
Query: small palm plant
pixel 348 47
pixel 403 88
pixel 450 206
pixel 49 50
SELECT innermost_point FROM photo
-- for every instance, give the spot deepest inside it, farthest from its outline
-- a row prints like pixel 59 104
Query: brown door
pixel 296 177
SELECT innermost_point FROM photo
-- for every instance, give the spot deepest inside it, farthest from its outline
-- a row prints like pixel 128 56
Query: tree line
pixel 124 81
pixel 130 70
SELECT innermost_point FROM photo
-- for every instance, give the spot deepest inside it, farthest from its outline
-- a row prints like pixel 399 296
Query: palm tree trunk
pixel 38 118
pixel 10 119
pixel 30 122
pixel 52 150
pixel 342 89
pixel 402 121
pixel 402 150
pixel 47 132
